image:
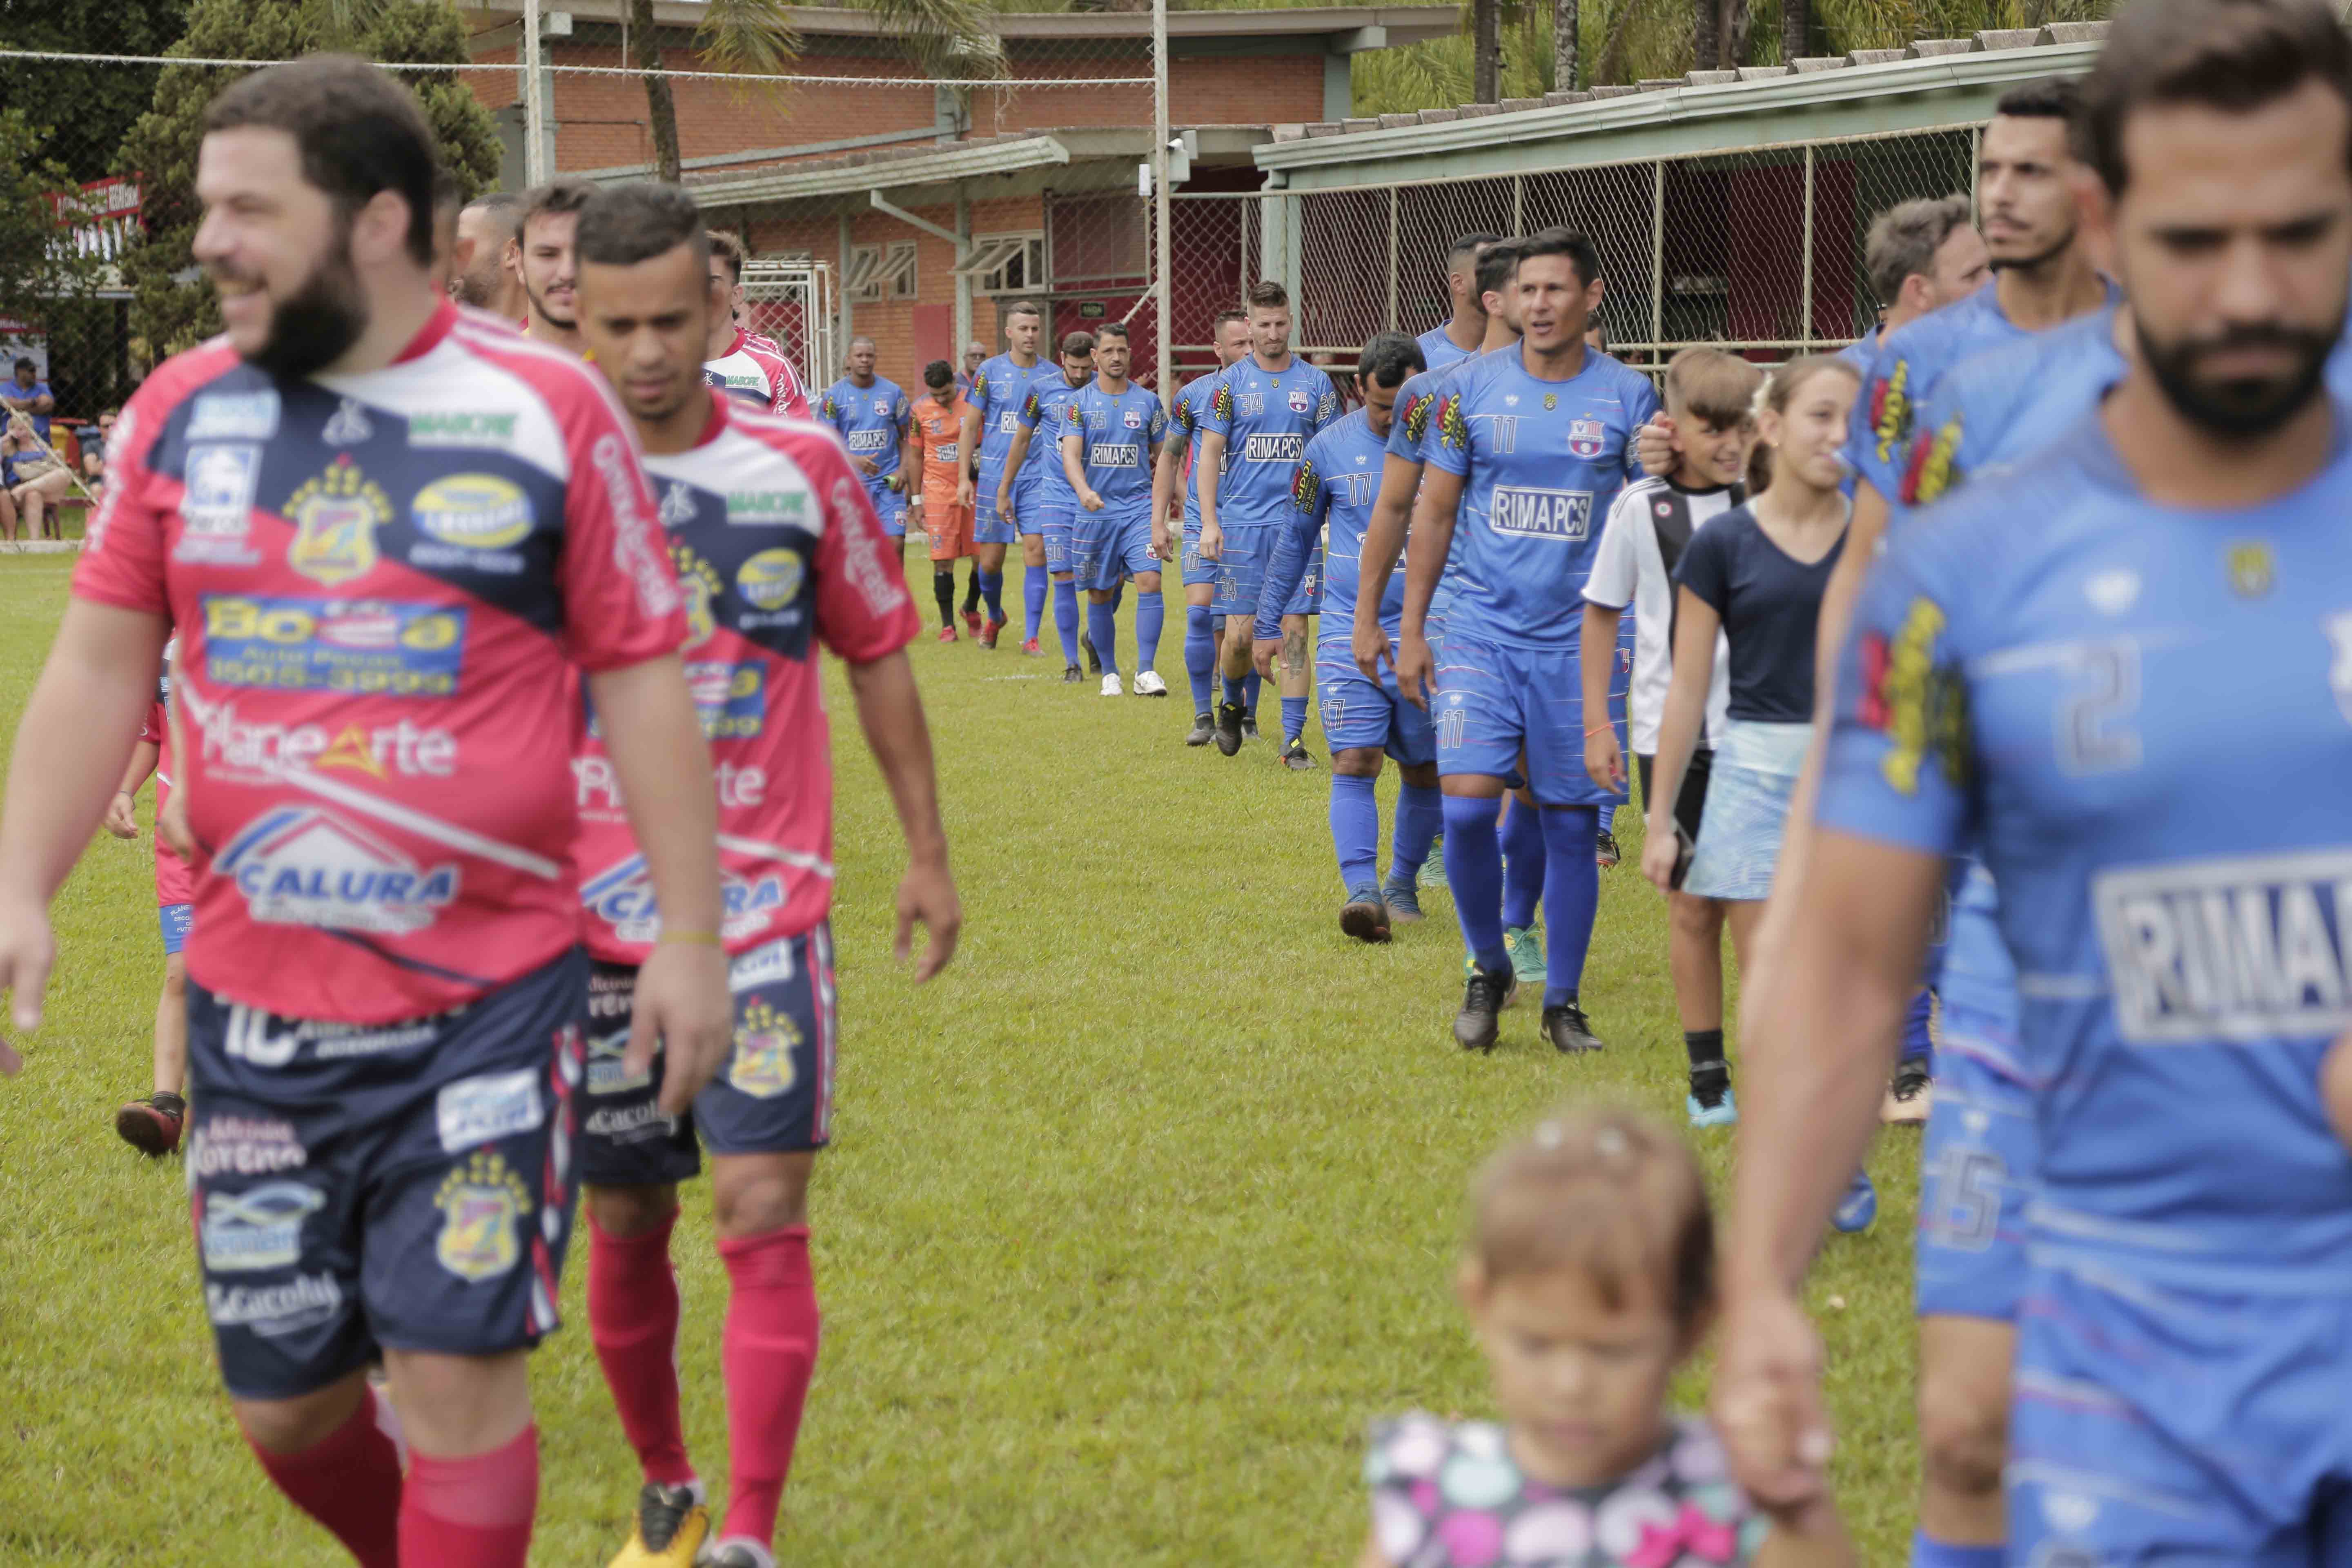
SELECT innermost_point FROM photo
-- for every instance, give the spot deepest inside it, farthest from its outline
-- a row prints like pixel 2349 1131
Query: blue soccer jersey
pixel 1040 416
pixel 2048 670
pixel 999 390
pixel 1266 418
pixel 1437 349
pixel 1332 497
pixel 1191 407
pixel 1119 434
pixel 871 422
pixel 1541 461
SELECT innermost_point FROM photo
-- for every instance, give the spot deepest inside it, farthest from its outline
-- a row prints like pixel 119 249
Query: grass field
pixel 1135 1217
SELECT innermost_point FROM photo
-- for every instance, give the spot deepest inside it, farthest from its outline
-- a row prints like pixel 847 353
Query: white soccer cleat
pixel 1111 687
pixel 1149 684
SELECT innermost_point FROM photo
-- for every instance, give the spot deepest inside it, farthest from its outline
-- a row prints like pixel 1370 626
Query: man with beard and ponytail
pixel 780 554
pixel 2043 668
pixel 395 546
pixel 545 261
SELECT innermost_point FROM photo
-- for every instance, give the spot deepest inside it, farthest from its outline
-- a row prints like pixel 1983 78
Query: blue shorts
pixel 1030 504
pixel 2154 1426
pixel 1494 700
pixel 987 528
pixel 1306 599
pixel 403 1185
pixel 1358 713
pixel 1241 571
pixel 891 506
pixel 175 920
pixel 774 1096
pixel 1056 524
pixel 1976 1169
pixel 1196 570
pixel 1110 546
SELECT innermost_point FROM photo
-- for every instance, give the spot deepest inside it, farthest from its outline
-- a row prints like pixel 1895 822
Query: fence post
pixel 1392 259
pixel 962 279
pixel 1805 333
pixel 1518 203
pixel 534 106
pixel 1657 256
pixel 848 309
pixel 1976 153
pixel 1165 339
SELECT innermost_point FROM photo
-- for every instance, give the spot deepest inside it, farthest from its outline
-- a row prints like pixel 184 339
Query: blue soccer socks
pixel 1474 868
pixel 1571 896
pixel 1356 829
pixel 1150 614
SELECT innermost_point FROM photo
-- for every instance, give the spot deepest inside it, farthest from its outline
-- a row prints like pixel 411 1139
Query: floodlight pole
pixel 534 105
pixel 1164 347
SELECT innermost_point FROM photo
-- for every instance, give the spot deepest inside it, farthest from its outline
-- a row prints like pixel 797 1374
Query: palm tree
pixel 1796 22
pixel 1565 20
pixel 1487 51
pixel 946 38
pixel 1707 41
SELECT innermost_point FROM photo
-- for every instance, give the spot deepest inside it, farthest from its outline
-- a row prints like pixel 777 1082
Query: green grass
pixel 1136 1216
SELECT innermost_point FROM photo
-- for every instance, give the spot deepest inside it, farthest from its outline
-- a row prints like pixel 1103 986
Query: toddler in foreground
pixel 1590 1278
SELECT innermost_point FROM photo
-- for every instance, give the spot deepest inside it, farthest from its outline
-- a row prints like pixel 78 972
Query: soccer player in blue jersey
pixel 1462 335
pixel 1261 414
pixel 1531 447
pixel 1111 432
pixel 1334 489
pixel 2044 667
pixel 875 422
pixel 1919 255
pixel 1171 494
pixel 1045 503
pixel 999 387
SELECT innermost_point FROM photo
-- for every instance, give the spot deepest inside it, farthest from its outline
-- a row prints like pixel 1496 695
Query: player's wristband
pixel 1603 730
pixel 697 938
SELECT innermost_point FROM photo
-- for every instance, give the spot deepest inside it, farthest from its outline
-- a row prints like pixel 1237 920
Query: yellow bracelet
pixel 704 938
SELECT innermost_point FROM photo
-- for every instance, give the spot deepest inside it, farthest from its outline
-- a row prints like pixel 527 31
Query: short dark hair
pixel 864 338
pixel 1387 359
pixel 1468 245
pixel 1230 313
pixel 1268 294
pixel 938 373
pixel 553 200
pixel 1112 329
pixel 1561 241
pixel 2052 98
pixel 1597 328
pixel 2231 54
pixel 1495 265
pixel 1024 308
pixel 1080 342
pixel 25 362
pixel 449 196
pixel 729 247
pixel 623 225
pixel 359 131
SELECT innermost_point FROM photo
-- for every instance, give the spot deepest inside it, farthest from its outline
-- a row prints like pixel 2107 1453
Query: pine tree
pixel 169 313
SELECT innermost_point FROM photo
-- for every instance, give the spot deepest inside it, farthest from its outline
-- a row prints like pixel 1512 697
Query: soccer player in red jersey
pixel 740 361
pixel 394 547
pixel 779 550
pixel 152 1124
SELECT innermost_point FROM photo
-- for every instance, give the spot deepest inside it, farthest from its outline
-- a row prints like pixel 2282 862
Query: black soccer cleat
pixel 1072 675
pixel 1568 1030
pixel 1604 850
pixel 1229 728
pixel 1297 758
pixel 1365 915
pixel 1203 731
pixel 1094 659
pixel 1249 724
pixel 1483 997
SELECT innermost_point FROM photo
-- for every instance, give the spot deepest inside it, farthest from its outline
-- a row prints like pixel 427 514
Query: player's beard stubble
pixel 312 327
pixel 2244 406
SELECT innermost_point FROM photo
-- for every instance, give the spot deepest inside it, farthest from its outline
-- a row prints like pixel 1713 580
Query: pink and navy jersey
pixel 755 371
pixel 384 585
pixel 777 549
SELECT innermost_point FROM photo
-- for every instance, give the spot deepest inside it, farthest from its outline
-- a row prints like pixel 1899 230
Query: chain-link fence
pixel 1759 250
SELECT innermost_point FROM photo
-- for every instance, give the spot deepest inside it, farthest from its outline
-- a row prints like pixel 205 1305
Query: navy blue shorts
pixel 774 1096
pixel 176 919
pixel 400 1185
pixel 1494 701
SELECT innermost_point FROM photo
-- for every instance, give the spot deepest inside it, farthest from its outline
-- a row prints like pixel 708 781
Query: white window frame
pixel 879 272
pixel 993 253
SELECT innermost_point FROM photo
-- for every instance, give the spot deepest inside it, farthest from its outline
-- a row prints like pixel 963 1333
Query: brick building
pixel 935 206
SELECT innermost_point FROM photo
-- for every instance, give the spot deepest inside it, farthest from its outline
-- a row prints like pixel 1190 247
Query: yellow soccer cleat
pixel 670 1526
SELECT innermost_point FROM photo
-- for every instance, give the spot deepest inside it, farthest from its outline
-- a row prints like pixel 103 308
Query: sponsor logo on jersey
pixel 633 548
pixel 365 648
pixel 1528 512
pixel 1890 409
pixel 765 1042
pixel 2239 948
pixel 267 1041
pixel 1114 455
pixel 1008 422
pixel 269 1310
pixel 768 965
pixel 2252 568
pixel 1587 438
pixel 298 865
pixel 482 1203
pixel 1273 446
pixel 630 1123
pixel 217 502
pixel 475 511
pixel 770 580
pixel 732 698
pixel 245 1146
pixel 623 896
pixel 678 508
pixel 260 1227
pixel 1221 402
pixel 878 584
pixel 1921 709
pixel 768 506
pixel 1453 424
pixel 229 416
pixel 1307 485
pixel 457 427
pixel 487 1108
pixel 265 749
pixel 866 442
pixel 348 425
pixel 607 1074
pixel 1931 472
pixel 335 517
pixel 1416 416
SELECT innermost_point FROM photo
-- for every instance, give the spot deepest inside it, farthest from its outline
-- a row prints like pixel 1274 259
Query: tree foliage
pixel 167 315
pixel 78 111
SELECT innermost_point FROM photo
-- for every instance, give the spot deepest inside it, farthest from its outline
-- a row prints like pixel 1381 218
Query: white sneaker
pixel 1111 687
pixel 1149 684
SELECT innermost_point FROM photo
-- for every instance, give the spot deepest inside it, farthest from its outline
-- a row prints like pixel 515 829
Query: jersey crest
pixel 335 517
pixel 1586 438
